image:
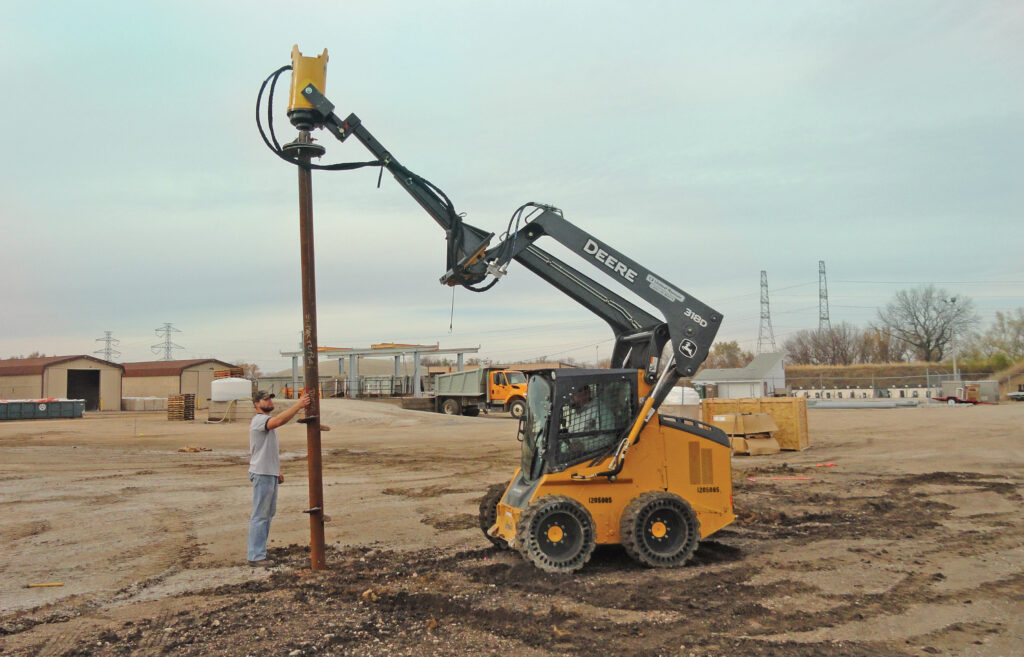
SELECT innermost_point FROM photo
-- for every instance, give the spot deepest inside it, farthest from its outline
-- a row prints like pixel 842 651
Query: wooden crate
pixel 790 413
pixel 237 411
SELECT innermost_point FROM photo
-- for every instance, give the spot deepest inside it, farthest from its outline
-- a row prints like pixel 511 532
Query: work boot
pixel 262 563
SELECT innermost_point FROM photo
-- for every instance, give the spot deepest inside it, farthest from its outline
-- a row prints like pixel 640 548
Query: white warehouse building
pixel 765 376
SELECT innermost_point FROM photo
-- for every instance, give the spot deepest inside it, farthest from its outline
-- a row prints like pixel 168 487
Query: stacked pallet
pixel 230 373
pixel 181 407
pixel 231 411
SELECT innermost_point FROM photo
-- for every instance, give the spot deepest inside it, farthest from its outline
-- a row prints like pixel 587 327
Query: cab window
pixel 499 379
pixel 592 417
pixel 516 377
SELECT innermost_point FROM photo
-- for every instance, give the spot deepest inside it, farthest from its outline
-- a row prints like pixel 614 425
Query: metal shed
pixel 764 376
pixel 164 378
pixel 96 381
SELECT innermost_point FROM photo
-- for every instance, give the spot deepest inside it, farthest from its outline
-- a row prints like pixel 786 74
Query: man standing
pixel 265 471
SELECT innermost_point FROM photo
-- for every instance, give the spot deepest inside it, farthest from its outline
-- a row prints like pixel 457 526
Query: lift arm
pixel 640 337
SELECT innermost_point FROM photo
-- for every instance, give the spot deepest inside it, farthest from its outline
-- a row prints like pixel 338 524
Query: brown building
pixel 165 378
pixel 96 381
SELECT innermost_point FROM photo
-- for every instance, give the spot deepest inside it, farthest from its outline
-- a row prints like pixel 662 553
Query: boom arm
pixel 640 337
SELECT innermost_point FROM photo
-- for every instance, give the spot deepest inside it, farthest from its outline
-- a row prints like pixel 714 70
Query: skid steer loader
pixel 575 487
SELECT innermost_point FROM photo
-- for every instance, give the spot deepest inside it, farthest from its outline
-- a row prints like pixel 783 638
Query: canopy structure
pixel 392 349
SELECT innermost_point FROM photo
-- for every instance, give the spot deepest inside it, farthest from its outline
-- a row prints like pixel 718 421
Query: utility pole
pixel 765 335
pixel 823 320
pixel 952 338
pixel 166 346
pixel 302 116
pixel 109 342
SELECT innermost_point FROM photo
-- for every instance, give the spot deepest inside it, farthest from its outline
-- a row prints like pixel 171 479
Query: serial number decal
pixel 708 489
pixel 600 500
pixel 665 290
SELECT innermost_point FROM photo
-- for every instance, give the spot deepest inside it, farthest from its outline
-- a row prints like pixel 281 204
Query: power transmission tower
pixel 823 320
pixel 167 347
pixel 109 342
pixel 765 336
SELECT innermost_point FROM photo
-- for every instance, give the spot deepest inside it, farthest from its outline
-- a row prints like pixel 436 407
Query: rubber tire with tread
pixel 517 408
pixel 578 527
pixel 644 547
pixel 489 512
pixel 451 406
pixel 471 411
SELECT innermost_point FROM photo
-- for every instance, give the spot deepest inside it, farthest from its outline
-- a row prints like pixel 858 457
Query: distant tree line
pixel 924 324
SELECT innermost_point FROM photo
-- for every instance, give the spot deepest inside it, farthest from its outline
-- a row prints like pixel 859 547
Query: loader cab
pixel 574 416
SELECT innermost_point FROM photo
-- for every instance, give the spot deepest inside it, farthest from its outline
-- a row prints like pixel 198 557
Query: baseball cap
pixel 261 395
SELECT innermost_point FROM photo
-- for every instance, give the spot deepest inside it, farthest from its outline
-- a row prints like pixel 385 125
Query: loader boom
pixel 640 337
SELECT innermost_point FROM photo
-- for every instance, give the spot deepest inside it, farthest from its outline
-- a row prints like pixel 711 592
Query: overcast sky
pixel 708 141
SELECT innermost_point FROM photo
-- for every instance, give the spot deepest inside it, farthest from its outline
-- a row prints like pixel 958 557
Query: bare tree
pixel 799 348
pixel 878 346
pixel 1006 335
pixel 928 319
pixel 840 344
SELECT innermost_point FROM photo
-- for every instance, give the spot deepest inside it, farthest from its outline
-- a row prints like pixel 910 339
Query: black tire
pixel 471 411
pixel 489 512
pixel 517 408
pixel 556 534
pixel 451 406
pixel 659 530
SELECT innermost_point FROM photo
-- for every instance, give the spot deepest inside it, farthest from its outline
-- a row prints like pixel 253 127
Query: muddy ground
pixel 912 543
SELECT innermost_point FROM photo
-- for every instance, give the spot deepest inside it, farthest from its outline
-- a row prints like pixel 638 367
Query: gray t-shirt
pixel 263 449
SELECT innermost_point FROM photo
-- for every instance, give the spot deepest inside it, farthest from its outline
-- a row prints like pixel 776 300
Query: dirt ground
pixel 911 544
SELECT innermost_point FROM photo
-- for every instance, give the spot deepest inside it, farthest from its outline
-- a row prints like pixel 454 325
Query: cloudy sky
pixel 708 141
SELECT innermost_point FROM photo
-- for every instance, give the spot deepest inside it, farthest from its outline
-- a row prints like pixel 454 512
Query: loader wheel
pixel 517 408
pixel 451 407
pixel 659 530
pixel 489 512
pixel 556 534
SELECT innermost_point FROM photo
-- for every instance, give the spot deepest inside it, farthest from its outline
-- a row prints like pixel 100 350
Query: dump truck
pixel 484 389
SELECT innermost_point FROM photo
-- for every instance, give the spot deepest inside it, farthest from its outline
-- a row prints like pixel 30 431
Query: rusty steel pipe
pixel 303 149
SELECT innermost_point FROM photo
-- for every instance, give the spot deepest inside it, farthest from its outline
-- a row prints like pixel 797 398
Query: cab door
pixel 498 387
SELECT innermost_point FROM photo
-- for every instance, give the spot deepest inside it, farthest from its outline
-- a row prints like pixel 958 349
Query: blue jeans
pixel 264 506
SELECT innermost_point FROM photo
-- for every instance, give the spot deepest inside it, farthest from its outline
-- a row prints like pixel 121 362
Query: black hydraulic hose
pixel 456 230
pixel 275 147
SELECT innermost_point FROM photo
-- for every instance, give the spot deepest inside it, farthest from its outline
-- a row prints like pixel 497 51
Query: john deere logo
pixel 688 348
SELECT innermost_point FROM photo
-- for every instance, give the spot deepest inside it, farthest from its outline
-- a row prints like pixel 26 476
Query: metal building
pixel 764 376
pixel 165 378
pixel 96 381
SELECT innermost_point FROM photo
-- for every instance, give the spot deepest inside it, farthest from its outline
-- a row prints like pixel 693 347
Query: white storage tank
pixel 229 389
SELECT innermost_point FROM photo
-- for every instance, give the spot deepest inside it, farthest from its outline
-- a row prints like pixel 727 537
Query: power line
pixel 167 347
pixel 823 321
pixel 934 282
pixel 765 335
pixel 109 342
